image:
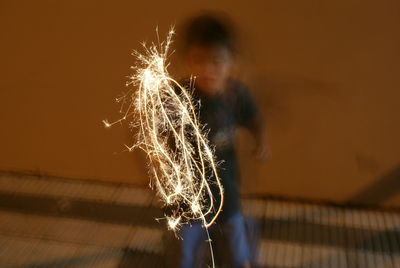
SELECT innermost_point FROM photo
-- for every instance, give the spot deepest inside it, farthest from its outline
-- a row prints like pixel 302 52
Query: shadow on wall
pixel 380 190
pixel 294 107
pixel 279 89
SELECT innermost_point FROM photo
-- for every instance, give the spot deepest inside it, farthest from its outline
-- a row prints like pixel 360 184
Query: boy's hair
pixel 209 30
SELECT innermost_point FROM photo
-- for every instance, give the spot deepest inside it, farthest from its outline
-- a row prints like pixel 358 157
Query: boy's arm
pixel 249 116
pixel 258 131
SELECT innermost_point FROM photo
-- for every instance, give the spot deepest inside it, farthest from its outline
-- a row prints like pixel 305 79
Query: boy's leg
pixel 235 232
pixel 192 236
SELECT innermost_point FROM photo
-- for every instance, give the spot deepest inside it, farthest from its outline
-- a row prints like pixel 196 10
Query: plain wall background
pixel 325 74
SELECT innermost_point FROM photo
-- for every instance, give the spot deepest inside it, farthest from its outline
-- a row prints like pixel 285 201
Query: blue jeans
pixel 233 230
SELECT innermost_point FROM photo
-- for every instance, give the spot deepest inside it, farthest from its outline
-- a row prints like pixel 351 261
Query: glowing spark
pixel 106 124
pixel 173 222
pixel 165 114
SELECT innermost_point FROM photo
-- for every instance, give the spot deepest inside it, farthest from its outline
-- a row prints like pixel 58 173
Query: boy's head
pixel 209 46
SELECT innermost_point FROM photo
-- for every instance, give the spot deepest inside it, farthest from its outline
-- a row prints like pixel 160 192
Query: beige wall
pixel 326 74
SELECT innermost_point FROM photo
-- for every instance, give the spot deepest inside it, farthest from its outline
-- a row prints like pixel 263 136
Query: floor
pixel 58 222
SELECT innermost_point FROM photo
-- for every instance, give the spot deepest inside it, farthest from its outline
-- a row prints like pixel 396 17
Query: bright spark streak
pixel 165 111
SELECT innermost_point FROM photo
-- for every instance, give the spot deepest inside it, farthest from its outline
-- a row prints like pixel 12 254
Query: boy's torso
pixel 219 115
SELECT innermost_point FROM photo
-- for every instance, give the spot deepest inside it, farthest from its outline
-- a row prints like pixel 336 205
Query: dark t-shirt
pixel 221 114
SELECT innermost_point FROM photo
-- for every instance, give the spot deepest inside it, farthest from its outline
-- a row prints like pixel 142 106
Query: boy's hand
pixel 262 152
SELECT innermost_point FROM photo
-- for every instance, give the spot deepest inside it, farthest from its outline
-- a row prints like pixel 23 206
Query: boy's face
pixel 211 66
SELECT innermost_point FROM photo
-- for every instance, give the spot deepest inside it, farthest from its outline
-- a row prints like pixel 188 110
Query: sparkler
pixel 181 160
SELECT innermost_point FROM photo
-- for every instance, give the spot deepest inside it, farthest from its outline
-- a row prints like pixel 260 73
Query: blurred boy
pixel 226 104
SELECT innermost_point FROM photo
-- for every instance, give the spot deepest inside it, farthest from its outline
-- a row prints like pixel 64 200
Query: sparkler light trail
pixel 182 162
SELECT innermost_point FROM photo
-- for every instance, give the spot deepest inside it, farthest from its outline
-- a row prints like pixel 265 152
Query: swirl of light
pixel 181 160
